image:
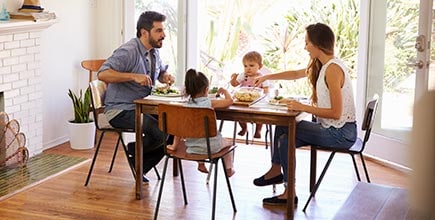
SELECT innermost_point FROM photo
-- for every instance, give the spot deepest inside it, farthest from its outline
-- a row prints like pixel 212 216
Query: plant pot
pixel 81 135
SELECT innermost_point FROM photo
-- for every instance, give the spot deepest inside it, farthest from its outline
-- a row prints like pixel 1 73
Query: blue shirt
pixel 131 57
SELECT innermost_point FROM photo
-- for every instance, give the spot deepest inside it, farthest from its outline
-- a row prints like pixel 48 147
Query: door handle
pixel 419 64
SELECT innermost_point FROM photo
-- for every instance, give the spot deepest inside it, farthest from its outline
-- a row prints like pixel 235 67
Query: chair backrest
pixel 187 122
pixel 92 66
pixel 98 89
pixel 369 117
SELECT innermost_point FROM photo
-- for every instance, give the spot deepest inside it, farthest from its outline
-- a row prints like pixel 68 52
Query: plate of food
pixel 212 93
pixel 247 95
pixel 279 100
pixel 167 91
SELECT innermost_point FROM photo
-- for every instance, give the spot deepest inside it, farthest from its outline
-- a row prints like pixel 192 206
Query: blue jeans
pixel 153 136
pixel 311 133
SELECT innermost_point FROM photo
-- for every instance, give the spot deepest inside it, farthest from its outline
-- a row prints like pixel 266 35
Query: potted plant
pixel 81 128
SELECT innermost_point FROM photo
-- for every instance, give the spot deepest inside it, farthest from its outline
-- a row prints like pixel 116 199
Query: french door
pixel 400 69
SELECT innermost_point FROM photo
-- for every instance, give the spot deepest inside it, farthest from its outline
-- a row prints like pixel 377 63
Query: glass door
pixel 400 67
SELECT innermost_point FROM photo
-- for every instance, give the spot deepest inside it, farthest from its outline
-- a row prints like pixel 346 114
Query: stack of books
pixel 34 16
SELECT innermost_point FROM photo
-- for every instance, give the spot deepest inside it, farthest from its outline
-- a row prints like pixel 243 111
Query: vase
pixel 12 5
pixel 81 135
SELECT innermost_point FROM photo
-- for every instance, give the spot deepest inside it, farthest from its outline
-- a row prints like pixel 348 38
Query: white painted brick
pixel 12 44
pixel 27 74
pixel 12 93
pixel 27 43
pixel 5 70
pixel 18 52
pixel 5 53
pixel 11 77
pixel 21 36
pixel 38 41
pixel 34 34
pixel 11 109
pixel 6 38
pixel 33 65
pixel 20 99
pixel 2 46
pixel 27 90
pixel 19 83
pixel 18 68
pixel 38 57
pixel 10 61
pixel 30 105
pixel 27 58
pixel 35 96
pixel 5 86
pixel 33 50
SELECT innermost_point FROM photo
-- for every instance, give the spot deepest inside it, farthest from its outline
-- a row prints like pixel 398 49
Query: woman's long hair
pixel 322 37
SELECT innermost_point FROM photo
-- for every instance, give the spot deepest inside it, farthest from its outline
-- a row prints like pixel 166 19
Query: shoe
pixel 274 180
pixel 276 201
pixel 145 180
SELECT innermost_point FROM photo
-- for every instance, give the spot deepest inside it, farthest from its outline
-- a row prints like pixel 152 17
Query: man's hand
pixel 143 79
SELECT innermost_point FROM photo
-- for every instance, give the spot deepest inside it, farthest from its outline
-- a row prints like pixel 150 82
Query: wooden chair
pixel 98 89
pixel 195 123
pixel 92 66
pixel 356 149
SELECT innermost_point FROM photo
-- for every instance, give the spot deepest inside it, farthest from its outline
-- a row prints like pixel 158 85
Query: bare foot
pixel 171 147
pixel 242 133
pixel 202 168
pixel 230 172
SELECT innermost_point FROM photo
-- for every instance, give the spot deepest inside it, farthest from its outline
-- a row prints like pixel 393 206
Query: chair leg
pixel 214 191
pixel 183 185
pixel 115 152
pixel 94 159
pixel 229 186
pixel 316 186
pixel 157 173
pixel 210 169
pixel 365 167
pixel 165 167
pixel 356 168
pixel 132 168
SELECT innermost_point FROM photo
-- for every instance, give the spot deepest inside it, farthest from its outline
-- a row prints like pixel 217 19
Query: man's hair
pixel 146 20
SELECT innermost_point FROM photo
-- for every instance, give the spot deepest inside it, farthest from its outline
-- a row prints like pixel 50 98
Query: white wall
pixel 85 30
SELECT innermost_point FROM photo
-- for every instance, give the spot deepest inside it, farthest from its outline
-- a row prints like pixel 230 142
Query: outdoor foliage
pixel 81 105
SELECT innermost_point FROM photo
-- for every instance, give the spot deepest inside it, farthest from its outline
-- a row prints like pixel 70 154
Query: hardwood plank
pixel 112 195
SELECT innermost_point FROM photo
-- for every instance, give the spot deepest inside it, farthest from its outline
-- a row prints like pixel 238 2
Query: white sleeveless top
pixel 324 101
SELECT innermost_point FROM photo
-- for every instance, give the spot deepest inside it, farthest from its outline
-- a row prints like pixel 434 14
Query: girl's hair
pixel 322 37
pixel 146 20
pixel 253 56
pixel 195 83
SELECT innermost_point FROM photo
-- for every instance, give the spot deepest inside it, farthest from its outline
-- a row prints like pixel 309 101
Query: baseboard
pixel 55 142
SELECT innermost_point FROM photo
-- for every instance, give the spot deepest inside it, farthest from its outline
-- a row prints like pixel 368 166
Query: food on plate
pixel 248 94
pixel 214 90
pixel 279 100
pixel 166 90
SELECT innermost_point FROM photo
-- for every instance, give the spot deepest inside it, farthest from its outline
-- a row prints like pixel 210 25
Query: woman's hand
pixel 259 80
pixel 293 105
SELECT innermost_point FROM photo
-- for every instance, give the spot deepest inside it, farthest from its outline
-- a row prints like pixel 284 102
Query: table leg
pixel 291 168
pixel 139 153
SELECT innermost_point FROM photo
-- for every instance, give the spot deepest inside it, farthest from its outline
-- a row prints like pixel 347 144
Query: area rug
pixel 39 168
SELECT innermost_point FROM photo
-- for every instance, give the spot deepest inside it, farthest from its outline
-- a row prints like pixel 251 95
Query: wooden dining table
pixel 235 112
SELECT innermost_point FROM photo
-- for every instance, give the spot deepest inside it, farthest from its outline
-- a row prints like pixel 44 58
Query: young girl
pixel 252 62
pixel 196 86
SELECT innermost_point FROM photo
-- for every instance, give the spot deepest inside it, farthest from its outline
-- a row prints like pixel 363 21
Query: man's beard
pixel 156 43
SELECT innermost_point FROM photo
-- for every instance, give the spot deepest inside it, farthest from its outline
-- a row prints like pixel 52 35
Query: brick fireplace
pixel 20 77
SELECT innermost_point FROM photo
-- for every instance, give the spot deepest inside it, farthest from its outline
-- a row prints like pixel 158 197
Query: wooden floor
pixel 112 195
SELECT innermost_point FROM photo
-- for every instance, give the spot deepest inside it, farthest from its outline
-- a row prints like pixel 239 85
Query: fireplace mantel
pixel 19 25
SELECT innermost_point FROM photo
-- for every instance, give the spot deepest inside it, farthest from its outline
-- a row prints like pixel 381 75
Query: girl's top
pixel 199 145
pixel 247 81
pixel 324 101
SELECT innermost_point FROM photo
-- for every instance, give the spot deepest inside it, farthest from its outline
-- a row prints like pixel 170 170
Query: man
pixel 130 72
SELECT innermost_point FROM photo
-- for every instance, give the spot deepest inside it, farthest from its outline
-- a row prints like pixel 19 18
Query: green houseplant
pixel 81 127
pixel 81 106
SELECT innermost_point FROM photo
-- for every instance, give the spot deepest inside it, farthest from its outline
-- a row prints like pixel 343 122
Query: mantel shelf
pixel 18 25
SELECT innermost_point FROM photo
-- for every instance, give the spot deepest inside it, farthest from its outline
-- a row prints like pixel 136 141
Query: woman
pixel 332 103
